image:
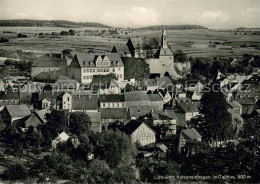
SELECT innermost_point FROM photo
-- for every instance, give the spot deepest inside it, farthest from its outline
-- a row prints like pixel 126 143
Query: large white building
pixel 85 65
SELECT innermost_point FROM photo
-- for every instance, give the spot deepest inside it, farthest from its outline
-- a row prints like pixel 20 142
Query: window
pixel 93 70
pixel 90 70
pixel 104 104
pixel 113 70
pixel 119 69
pixel 120 75
pixel 84 77
pixel 68 99
pixel 87 70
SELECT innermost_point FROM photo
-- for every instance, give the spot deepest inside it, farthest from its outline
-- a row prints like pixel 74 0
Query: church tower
pixel 164 40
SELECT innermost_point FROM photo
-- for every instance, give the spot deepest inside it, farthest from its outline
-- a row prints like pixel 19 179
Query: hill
pixel 49 23
pixel 172 27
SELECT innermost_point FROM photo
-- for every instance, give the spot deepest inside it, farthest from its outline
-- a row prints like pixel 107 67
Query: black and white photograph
pixel 129 91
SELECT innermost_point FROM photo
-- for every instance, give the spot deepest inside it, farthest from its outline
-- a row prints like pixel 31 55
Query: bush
pixel 16 172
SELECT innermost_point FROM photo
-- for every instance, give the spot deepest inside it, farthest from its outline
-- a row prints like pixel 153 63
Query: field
pixel 197 43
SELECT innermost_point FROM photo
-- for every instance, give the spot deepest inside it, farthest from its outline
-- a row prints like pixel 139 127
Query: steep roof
pixel 234 104
pixel 86 60
pixel 132 125
pixel 42 115
pixel 112 98
pixel 66 84
pixel 84 102
pixel 164 82
pixel 163 114
pixel 189 107
pixel 50 61
pixel 192 134
pixel 113 113
pixel 9 96
pixel 95 117
pixel 136 96
pixel 163 52
pixel 137 42
pixel 154 97
pixel 16 111
pixel 137 111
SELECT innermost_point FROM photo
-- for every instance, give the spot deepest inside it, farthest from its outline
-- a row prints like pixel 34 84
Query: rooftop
pixel 112 98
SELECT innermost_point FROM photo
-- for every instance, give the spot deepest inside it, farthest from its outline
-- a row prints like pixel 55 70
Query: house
pixel 166 120
pixel 135 47
pixel 14 112
pixel 113 88
pixel 45 103
pixel 193 85
pixel 86 65
pixel 62 137
pixel 66 101
pixel 110 115
pixel 156 101
pixel 48 63
pixel 248 104
pixel 84 103
pixel 166 96
pixel 140 133
pixel 136 98
pixel 163 61
pixel 196 95
pixel 112 101
pixel 190 110
pixel 9 98
pixel 36 118
pixel 2 85
pixel 151 85
pixel 137 111
pixel 189 134
pixel 160 151
pixel 164 83
pixel 95 118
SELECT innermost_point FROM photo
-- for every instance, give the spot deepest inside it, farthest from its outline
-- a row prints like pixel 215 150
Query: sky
pixel 215 14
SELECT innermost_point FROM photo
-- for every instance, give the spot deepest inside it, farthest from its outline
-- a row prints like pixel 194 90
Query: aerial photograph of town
pixel 129 91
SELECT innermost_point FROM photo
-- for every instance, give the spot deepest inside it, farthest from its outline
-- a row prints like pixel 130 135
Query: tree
pixel 180 56
pixel 99 172
pixel 16 172
pixel 72 32
pixel 215 120
pixel 79 123
pixel 116 148
pixel 57 123
pixel 249 147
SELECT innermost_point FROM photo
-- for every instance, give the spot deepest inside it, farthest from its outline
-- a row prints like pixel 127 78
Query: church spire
pixel 164 39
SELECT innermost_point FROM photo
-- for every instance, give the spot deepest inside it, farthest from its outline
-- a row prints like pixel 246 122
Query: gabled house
pixel 135 47
pixel 196 96
pixel 190 110
pixel 45 103
pixel 166 96
pixel 86 65
pixel 140 133
pixel 37 118
pixel 12 113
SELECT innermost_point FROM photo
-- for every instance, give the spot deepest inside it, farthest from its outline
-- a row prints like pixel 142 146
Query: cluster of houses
pixel 150 113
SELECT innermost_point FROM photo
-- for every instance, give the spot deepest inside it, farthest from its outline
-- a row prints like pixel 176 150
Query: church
pixel 163 61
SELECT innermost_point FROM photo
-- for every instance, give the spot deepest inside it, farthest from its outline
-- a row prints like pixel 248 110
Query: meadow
pixel 196 43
